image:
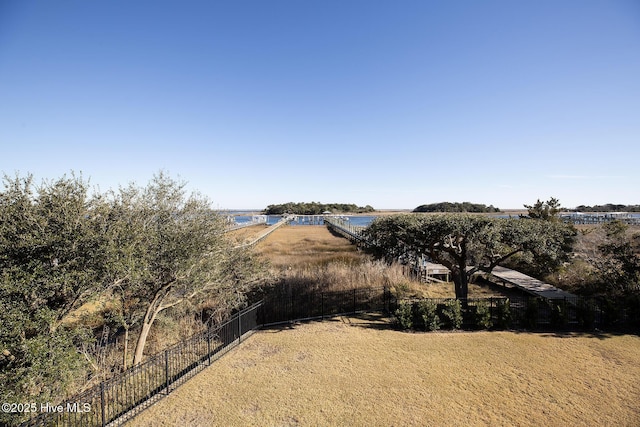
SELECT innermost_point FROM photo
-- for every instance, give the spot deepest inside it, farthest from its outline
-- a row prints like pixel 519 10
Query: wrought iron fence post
pixel 166 370
pixel 102 404
pixel 384 300
pixel 290 315
pixel 209 346
pixel 239 327
pixel 322 305
pixel 354 300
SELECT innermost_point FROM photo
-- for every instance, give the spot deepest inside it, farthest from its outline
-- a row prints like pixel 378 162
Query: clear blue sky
pixel 388 103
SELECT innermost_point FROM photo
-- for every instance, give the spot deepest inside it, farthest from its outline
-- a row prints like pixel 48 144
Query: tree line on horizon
pixel 450 207
pixel 315 208
pixel 609 207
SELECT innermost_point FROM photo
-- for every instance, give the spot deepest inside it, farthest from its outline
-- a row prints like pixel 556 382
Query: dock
pixel 529 284
pixel 600 217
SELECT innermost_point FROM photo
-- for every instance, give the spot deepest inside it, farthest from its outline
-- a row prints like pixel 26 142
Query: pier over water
pixel 600 217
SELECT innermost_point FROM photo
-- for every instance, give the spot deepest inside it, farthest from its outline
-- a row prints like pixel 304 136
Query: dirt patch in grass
pixel 358 372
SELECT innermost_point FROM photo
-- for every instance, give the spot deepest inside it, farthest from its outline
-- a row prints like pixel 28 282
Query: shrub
pixel 503 309
pixel 611 313
pixel 452 312
pixel 427 312
pixel 531 314
pixel 558 310
pixel 585 312
pixel 404 315
pixel 633 312
pixel 483 315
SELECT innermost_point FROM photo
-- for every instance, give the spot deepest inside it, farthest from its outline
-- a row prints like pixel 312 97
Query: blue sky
pixel 388 103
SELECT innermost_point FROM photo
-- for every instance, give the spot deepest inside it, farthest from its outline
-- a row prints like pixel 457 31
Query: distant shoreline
pixel 379 212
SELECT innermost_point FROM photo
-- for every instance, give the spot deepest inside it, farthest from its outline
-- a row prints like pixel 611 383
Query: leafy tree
pixel 50 263
pixel 314 208
pixel 609 207
pixel 165 248
pixel 619 261
pixel 466 243
pixel 547 211
pixel 456 207
pixel 152 248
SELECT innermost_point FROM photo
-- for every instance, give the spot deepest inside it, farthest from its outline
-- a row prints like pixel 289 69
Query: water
pixel 242 217
pixel 361 220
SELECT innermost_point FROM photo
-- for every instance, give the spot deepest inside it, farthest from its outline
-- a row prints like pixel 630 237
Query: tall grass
pixel 312 259
pixel 309 259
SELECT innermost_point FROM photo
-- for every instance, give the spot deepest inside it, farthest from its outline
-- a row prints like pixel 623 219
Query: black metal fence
pixel 121 397
pixel 118 399
pixel 286 307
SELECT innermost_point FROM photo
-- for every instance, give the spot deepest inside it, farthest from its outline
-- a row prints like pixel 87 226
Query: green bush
pixel 632 308
pixel 531 314
pixel 483 315
pixel 503 310
pixel 586 313
pixel 558 309
pixel 404 315
pixel 611 313
pixel 452 313
pixel 427 311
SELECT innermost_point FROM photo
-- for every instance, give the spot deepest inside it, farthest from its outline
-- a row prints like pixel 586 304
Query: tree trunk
pixel 461 282
pixel 149 317
pixel 154 307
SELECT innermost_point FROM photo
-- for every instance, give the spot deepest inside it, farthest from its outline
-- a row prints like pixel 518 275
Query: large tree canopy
pixel 315 208
pixel 468 243
pixel 144 249
pixel 443 207
pixel 165 248
pixel 50 262
pixel 547 211
pixel 618 262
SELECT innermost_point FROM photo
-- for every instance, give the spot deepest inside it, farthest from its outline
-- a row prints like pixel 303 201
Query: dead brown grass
pixel 313 258
pixel 245 234
pixel 296 246
pixel 353 372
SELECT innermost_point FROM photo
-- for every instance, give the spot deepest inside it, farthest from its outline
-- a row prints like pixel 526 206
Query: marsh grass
pixel 359 371
pixel 311 259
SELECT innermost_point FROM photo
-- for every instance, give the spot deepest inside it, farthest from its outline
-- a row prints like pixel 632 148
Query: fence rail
pixel 263 235
pixel 116 400
pixel 346 229
pixel 283 308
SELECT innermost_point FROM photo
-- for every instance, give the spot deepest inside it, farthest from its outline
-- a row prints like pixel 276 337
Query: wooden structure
pixel 600 217
pixel 307 219
pixel 266 232
pixel 345 229
pixel 528 284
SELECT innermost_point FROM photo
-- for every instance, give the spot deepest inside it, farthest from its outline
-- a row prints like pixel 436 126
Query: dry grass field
pixel 313 256
pixel 360 372
pixel 242 235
